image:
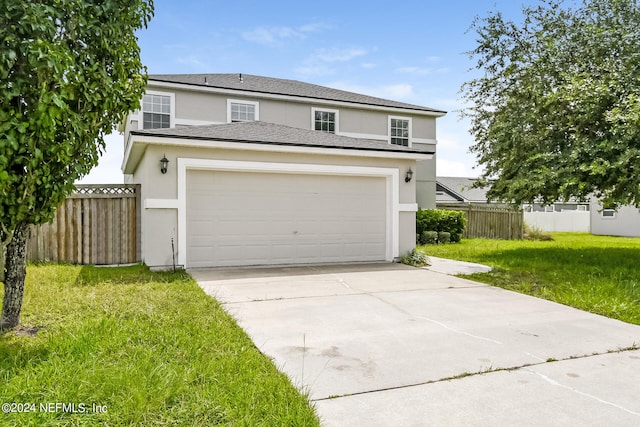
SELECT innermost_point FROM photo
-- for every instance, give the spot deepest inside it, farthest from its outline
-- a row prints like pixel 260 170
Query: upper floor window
pixel 325 120
pixel 242 111
pixel 400 130
pixel 156 111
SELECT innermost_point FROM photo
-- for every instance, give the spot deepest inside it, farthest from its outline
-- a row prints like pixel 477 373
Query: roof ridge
pixel 280 86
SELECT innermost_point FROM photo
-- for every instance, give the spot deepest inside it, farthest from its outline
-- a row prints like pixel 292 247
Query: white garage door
pixel 249 218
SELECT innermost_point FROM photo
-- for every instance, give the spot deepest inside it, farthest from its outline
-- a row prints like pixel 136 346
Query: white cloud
pixel 190 60
pixel 338 55
pixel 419 71
pixel 400 91
pixel 446 167
pixel 317 64
pixel 277 36
pixel 314 70
pixel 314 27
pixel 368 65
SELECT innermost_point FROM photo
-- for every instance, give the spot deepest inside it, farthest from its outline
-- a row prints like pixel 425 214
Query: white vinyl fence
pixel 573 221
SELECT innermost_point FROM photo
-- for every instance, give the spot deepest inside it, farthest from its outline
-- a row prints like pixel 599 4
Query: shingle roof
pixel 270 85
pixel 462 187
pixel 268 133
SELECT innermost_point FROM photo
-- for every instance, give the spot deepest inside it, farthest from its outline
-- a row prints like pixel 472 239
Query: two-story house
pixel 239 169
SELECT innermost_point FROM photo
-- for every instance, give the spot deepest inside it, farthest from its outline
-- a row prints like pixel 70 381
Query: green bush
pixel 444 237
pixel 535 233
pixel 428 238
pixel 415 258
pixel 439 220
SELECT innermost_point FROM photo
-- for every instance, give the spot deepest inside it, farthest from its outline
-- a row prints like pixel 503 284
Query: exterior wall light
pixel 164 162
pixel 408 176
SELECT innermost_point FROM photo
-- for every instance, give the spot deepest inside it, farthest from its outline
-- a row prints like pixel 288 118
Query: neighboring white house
pixel 270 171
pixel 567 216
pixel 459 190
pixel 624 221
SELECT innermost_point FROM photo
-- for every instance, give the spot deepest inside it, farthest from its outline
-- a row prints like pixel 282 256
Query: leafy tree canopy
pixel 556 113
pixel 69 71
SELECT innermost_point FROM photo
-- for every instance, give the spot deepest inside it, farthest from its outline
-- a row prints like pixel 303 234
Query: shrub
pixel 535 233
pixel 429 238
pixel 415 258
pixel 440 220
pixel 444 237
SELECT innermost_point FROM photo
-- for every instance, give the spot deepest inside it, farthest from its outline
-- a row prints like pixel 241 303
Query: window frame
pixel 336 120
pixel 172 109
pixel 256 110
pixel 410 126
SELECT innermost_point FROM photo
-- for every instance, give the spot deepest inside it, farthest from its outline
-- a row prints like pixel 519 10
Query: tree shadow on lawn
pixel 27 346
pixel 20 352
pixel 91 275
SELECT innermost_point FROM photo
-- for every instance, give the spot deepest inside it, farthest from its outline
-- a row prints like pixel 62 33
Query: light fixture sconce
pixel 164 162
pixel 408 176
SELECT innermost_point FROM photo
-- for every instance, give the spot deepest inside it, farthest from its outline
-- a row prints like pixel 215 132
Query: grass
pixel 599 274
pixel 150 347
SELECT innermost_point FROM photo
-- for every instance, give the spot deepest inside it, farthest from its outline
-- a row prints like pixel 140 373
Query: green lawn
pixel 150 348
pixel 595 273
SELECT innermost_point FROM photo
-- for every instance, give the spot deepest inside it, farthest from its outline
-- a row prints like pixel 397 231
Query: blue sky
pixel 411 51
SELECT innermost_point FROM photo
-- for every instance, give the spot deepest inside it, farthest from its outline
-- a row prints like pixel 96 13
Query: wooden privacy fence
pixel 98 224
pixel 491 222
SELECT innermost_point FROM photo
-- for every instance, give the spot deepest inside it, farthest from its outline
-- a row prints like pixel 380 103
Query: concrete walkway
pixel 453 267
pixel 391 345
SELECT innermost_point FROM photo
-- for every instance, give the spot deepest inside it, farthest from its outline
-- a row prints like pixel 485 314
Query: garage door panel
pixel 238 218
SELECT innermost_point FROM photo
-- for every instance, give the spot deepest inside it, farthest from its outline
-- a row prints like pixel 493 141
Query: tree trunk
pixel 2 258
pixel 16 257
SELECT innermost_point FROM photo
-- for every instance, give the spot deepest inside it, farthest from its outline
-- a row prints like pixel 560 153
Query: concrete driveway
pixel 391 345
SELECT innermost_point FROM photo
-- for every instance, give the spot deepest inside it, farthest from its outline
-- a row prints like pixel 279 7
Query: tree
pixel 556 112
pixel 69 72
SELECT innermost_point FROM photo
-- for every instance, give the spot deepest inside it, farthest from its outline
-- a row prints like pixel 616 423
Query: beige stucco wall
pixel 160 225
pixel 194 105
pixel 426 180
pixel 625 222
pixel 407 232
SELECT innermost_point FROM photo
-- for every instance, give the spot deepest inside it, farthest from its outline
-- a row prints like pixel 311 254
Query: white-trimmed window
pixel 157 110
pixel 608 213
pixel 550 208
pixel 325 120
pixel 242 111
pixel 400 131
pixel 581 208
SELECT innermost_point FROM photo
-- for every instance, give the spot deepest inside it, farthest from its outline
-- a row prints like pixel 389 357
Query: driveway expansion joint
pixel 357 292
pixel 523 368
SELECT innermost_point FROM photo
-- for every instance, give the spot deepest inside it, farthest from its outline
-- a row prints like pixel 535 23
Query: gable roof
pixel 460 187
pixel 293 88
pixel 257 132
